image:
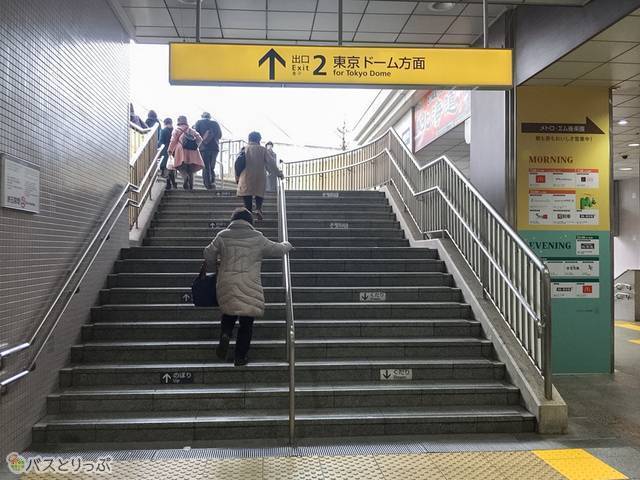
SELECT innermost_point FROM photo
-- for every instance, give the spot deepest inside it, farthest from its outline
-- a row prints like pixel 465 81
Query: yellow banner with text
pixel 216 64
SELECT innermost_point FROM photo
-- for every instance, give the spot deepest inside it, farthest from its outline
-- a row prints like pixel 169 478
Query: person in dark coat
pixel 211 133
pixel 163 140
pixel 152 118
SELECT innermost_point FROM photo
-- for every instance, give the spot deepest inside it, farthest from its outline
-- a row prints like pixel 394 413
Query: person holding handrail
pixel 252 181
pixel 184 148
pixel 240 248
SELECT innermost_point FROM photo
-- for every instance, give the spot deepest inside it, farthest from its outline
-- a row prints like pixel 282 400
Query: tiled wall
pixel 63 106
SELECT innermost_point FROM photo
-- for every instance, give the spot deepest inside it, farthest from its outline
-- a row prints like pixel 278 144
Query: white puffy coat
pixel 241 249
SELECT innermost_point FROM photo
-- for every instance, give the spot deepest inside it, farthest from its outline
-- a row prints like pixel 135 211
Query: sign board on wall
pixel 438 112
pixel 563 185
pixel 20 184
pixel 215 64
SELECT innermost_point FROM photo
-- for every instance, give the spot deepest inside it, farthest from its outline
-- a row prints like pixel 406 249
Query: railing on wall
pixel 143 166
pixel 143 172
pixel 441 201
pixel 229 150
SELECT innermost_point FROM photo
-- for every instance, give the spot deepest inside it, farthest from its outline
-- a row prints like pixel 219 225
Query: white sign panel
pixel 575 290
pixel 396 374
pixel 331 195
pixel 574 268
pixel 339 225
pixel 587 246
pixel 558 207
pixel 20 185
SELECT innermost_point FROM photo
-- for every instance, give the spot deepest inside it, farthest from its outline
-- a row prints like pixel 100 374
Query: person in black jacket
pixel 211 133
pixel 152 118
pixel 164 139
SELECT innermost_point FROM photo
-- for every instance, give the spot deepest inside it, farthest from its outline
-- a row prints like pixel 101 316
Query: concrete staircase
pixel 367 307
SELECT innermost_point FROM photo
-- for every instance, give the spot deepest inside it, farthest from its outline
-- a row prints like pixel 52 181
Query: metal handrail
pixel 101 236
pixel 283 236
pixel 512 276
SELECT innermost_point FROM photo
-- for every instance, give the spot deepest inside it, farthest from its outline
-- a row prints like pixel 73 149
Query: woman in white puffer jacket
pixel 240 248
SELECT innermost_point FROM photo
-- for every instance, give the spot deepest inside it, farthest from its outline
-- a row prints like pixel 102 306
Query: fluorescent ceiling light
pixel 441 6
pixel 634 144
pixel 623 122
pixel 625 169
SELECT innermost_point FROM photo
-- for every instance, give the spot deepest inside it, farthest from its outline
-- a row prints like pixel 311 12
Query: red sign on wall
pixel 438 112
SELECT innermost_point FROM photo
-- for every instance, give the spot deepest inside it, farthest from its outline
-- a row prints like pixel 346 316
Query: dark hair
pixel 152 114
pixel 255 137
pixel 242 214
pixel 167 121
pixel 268 143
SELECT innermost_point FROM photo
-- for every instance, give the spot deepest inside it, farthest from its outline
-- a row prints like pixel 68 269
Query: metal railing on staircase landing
pixel 440 201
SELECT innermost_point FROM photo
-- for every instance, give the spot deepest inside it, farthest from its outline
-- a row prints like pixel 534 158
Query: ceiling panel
pixel 428 38
pixel 631 56
pixel 614 71
pixel 289 21
pixel 243 33
pixel 391 7
pixel 460 40
pixel 287 35
pixel 466 26
pixel 626 30
pixel 597 51
pixel 329 21
pixel 428 24
pixel 149 17
pixel 424 8
pixel 292 5
pixel 142 3
pixel 568 70
pixel 156 31
pixel 475 10
pixel 375 37
pixel 348 6
pixel 627 101
pixel 382 23
pixel 326 36
pixel 242 4
pixel 243 20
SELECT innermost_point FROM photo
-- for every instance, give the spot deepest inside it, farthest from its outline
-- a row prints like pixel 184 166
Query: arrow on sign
pixel 588 127
pixel 166 378
pixel 186 298
pixel 272 56
pixel 386 375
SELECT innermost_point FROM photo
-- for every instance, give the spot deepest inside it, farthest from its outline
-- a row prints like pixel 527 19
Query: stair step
pixel 297 265
pixel 275 329
pixel 306 349
pixel 167 398
pixel 207 223
pixel 171 232
pixel 276 311
pixel 271 207
pixel 366 280
pixel 298 253
pixel 291 194
pixel 173 295
pixel 224 215
pixel 295 241
pixel 216 424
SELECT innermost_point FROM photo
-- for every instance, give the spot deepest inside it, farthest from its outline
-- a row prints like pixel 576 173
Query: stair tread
pixel 127 306
pixel 347 322
pixel 299 342
pixel 116 390
pixel 270 365
pixel 131 420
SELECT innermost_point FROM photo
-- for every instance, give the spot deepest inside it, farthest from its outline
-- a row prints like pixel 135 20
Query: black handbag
pixel 203 289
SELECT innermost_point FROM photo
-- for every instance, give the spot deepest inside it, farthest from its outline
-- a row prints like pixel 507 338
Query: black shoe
pixel 223 347
pixel 241 362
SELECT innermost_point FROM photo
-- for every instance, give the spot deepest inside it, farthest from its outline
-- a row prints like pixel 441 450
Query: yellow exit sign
pixel 217 64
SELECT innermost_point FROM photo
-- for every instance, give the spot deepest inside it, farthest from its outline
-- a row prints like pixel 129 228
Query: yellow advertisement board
pixel 202 63
pixel 563 158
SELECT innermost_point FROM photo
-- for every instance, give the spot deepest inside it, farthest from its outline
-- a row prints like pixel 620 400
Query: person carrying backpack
pixel 184 148
pixel 210 132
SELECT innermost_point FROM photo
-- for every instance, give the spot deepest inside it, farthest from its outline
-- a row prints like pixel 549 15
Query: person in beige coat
pixel 240 248
pixel 253 179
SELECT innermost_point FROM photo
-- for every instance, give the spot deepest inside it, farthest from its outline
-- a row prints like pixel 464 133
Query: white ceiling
pixel 312 21
pixel 612 58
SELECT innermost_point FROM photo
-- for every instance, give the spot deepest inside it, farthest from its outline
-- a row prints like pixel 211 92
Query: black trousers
pixel 208 172
pixel 248 202
pixel 245 332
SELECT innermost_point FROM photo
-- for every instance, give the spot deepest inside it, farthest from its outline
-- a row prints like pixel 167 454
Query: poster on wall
pixel 19 184
pixel 438 112
pixel 563 184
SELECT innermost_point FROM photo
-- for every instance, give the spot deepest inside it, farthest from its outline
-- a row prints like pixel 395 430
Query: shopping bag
pixel 203 289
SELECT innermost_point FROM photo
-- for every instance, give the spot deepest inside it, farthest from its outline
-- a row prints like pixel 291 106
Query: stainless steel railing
pixel 290 340
pixel 42 333
pixel 441 201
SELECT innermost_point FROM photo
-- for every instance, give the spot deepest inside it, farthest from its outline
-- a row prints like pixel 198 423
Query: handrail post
pixel 547 334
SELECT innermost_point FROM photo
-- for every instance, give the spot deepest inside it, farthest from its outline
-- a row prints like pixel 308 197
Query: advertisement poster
pixel 563 212
pixel 20 184
pixel 438 112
